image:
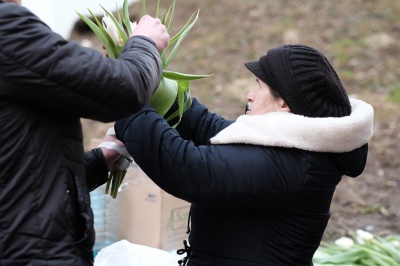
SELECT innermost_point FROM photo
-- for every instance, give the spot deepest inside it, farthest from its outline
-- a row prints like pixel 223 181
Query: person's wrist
pixel 110 156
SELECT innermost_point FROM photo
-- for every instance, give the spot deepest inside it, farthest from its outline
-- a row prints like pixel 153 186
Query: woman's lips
pixel 247 108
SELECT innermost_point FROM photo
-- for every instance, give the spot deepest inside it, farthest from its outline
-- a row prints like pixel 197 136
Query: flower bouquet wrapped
pixel 174 86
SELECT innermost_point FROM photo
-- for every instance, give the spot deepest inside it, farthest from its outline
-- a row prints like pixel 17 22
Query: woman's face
pixel 261 100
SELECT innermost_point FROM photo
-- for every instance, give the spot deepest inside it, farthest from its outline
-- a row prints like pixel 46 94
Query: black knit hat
pixel 305 80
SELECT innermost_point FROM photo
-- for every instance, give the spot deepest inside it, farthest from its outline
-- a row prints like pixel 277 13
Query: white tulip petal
pixel 364 235
pixel 111 29
pixel 344 242
pixel 395 243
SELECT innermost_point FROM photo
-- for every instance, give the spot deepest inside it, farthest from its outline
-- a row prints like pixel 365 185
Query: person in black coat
pixel 46 85
pixel 260 186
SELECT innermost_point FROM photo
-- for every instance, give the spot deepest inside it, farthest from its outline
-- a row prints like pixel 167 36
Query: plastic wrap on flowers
pixel 124 253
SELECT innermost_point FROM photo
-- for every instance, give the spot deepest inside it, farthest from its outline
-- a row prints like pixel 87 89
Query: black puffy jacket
pixel 251 204
pixel 46 85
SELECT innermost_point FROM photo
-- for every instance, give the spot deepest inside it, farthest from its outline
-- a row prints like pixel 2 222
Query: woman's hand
pixel 118 160
pixel 111 155
pixel 105 53
pixel 112 149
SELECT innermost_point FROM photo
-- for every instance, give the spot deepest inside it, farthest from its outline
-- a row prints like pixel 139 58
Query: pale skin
pixel 153 29
pixel 18 2
pixel 262 101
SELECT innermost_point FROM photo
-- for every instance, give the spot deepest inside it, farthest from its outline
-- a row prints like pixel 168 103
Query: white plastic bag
pixel 124 253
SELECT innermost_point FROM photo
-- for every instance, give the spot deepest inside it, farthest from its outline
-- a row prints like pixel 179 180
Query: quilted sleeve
pixel 40 68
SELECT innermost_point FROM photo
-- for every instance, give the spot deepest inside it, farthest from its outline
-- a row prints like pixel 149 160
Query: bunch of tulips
pixel 114 31
pixel 363 249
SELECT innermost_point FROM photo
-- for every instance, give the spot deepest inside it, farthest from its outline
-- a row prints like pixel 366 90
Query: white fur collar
pixel 331 134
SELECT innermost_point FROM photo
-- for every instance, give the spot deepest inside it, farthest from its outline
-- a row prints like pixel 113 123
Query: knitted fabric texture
pixel 305 80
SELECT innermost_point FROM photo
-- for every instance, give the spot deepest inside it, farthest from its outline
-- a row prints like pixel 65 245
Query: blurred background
pixel 361 38
pixel 61 15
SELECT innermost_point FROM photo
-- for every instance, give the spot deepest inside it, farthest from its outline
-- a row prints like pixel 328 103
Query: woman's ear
pixel 283 107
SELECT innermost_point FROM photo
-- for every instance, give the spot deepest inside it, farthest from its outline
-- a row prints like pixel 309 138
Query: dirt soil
pixel 360 37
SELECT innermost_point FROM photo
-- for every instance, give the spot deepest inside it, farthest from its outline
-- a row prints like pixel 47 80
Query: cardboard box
pixel 148 215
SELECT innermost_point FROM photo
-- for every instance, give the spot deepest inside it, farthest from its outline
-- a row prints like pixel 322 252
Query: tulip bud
pixel 345 242
pixel 111 29
pixel 364 235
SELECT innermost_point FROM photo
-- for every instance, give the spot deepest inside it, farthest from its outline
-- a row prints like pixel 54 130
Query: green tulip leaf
pixel 182 36
pixel 181 76
pixel 164 97
pixel 125 17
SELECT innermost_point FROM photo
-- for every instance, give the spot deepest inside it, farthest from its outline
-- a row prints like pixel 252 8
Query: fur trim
pixel 281 129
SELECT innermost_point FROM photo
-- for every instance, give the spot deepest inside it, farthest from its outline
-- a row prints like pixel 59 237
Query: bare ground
pixel 362 40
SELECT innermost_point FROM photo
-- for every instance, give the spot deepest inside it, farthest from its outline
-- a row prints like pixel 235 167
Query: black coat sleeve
pixel 96 168
pixel 211 175
pixel 40 68
pixel 198 124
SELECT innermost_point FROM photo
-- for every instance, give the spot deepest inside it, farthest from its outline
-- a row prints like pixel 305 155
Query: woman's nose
pixel 248 96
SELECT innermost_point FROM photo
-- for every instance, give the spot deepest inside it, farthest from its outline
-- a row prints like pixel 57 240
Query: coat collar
pixel 280 129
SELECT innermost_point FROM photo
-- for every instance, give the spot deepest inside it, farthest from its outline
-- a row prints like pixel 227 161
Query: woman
pixel 260 186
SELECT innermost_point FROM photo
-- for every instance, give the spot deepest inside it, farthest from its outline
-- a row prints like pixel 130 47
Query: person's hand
pixel 105 53
pixel 118 160
pixel 111 155
pixel 153 29
pixel 110 151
